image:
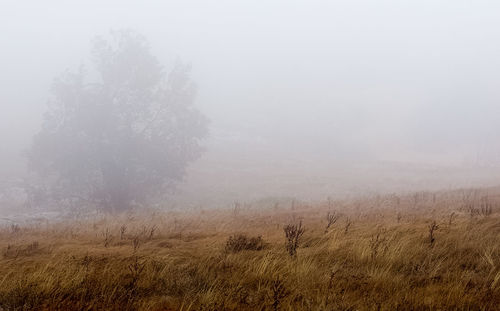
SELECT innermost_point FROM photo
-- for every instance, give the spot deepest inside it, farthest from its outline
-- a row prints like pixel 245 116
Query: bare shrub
pixel 376 242
pixel 293 232
pixel 86 261
pixel 135 269
pixel 329 285
pixel 485 207
pixel 432 228
pixel 278 293
pixel 469 196
pixel 136 241
pixel 123 230
pixel 28 250
pixel 240 242
pixel 472 209
pixel 152 232
pixel 331 219
pixel 107 237
pixel 348 223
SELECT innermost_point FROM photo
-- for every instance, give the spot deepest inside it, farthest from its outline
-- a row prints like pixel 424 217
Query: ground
pixel 377 254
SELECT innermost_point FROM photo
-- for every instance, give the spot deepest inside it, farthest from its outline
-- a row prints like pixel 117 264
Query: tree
pixel 123 138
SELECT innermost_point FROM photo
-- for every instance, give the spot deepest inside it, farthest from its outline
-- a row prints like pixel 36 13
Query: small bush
pixel 293 232
pixel 28 250
pixel 331 218
pixel 240 242
pixel 432 228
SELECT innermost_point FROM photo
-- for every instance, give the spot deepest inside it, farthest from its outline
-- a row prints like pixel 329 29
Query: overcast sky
pixel 394 79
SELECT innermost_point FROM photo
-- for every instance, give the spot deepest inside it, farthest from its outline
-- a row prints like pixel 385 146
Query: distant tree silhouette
pixel 124 138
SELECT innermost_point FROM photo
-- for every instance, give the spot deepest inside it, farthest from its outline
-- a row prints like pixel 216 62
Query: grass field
pixel 422 251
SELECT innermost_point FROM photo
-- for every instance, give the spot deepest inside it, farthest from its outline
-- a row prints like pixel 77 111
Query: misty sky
pixel 392 80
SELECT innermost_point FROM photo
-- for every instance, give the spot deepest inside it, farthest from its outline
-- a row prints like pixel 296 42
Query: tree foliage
pixel 121 134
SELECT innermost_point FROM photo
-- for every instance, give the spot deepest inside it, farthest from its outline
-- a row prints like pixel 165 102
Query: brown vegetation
pixel 429 251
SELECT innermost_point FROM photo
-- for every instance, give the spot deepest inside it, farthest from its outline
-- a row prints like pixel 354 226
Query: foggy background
pixel 306 98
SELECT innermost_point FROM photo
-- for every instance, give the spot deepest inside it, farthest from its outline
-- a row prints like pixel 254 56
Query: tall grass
pixel 425 251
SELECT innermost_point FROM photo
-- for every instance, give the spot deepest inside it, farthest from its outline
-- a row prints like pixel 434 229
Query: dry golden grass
pixel 378 255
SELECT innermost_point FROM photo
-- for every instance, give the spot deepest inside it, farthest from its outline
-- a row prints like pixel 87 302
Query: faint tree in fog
pixel 123 138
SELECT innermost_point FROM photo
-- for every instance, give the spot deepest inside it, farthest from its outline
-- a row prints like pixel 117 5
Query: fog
pixel 305 98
